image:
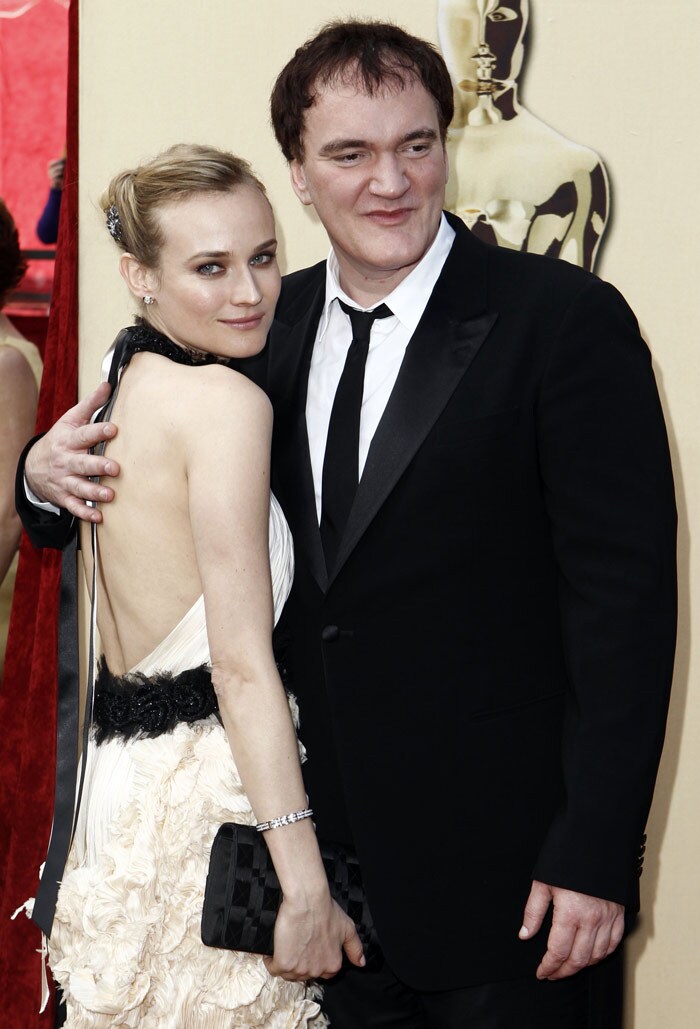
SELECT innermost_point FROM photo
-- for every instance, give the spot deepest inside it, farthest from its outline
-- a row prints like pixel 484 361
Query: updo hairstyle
pixel 12 264
pixel 133 197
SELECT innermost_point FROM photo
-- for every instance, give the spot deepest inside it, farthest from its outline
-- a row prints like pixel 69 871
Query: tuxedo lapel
pixel 291 347
pixel 443 346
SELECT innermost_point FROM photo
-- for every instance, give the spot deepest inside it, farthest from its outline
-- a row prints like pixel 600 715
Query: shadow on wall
pixel 668 770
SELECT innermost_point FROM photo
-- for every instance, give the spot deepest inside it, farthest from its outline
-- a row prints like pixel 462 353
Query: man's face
pixel 375 170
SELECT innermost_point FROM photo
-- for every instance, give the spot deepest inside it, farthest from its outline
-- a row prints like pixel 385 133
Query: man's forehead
pixel 349 81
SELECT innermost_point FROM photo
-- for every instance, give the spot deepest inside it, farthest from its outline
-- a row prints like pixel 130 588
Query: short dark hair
pixel 374 54
pixel 12 264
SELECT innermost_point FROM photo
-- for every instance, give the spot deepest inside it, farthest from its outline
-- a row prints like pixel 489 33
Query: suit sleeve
pixel 44 528
pixel 608 488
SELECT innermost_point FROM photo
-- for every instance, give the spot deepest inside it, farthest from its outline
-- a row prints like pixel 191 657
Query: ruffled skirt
pixel 126 946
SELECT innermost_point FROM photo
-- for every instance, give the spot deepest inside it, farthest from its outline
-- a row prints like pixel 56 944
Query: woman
pixel 184 582
pixel 20 374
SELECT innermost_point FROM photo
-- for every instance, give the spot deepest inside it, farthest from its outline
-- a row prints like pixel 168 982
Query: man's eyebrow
pixel 337 146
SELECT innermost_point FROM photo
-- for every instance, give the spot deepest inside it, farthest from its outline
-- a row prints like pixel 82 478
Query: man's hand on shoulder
pixel 584 929
pixel 58 467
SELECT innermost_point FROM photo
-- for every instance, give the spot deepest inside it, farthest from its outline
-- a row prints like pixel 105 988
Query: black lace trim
pixel 143 336
pixel 137 706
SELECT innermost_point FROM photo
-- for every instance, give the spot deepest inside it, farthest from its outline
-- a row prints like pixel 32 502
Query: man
pixel 481 632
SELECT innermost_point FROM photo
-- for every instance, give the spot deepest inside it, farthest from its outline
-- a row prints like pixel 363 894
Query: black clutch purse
pixel 242 894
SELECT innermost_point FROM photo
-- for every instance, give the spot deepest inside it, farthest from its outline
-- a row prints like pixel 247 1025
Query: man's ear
pixel 296 174
pixel 139 279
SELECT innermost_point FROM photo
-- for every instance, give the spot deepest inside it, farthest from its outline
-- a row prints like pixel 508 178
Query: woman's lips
pixel 243 323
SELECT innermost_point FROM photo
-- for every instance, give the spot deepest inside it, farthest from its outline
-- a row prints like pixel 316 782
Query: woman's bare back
pixel 148 576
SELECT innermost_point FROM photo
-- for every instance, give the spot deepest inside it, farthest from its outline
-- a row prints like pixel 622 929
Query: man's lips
pixel 394 217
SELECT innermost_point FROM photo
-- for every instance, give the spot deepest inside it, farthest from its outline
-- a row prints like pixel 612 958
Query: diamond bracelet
pixel 276 823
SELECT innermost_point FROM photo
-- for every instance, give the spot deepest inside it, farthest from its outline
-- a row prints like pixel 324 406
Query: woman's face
pixel 217 282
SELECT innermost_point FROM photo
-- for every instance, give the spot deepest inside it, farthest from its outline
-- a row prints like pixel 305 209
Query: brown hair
pixel 132 198
pixel 12 264
pixel 374 54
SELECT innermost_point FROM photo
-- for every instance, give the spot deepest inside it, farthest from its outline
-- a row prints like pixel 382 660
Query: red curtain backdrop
pixel 28 696
pixel 33 60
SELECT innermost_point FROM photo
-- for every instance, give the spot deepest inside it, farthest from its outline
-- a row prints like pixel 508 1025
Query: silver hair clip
pixel 114 223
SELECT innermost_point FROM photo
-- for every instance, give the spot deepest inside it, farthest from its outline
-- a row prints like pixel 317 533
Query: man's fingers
pixel 86 408
pixel 85 489
pixel 80 510
pixel 535 909
pixel 82 437
pixel 585 930
pixel 567 954
pixel 76 466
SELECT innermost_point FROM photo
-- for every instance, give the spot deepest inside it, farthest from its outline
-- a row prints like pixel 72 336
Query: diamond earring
pixel 148 299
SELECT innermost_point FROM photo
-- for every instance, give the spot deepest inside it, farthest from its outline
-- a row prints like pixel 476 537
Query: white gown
pixel 126 946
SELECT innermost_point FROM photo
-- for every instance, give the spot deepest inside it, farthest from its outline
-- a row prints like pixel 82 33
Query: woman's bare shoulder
pixel 184 387
pixel 16 376
pixel 213 404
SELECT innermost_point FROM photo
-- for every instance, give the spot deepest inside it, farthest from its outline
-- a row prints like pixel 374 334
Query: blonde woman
pixel 192 726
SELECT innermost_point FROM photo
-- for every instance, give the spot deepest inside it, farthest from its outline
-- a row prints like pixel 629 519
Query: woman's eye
pixel 208 269
pixel 265 258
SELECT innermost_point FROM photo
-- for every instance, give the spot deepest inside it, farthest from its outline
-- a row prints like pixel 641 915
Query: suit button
pixel 330 633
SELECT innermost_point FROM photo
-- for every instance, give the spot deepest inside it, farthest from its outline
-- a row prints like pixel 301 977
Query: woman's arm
pixel 229 493
pixel 18 400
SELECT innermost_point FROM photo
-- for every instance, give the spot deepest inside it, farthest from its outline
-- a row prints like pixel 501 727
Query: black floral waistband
pixel 138 706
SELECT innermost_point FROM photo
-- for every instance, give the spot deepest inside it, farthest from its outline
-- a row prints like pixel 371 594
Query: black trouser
pixel 374 998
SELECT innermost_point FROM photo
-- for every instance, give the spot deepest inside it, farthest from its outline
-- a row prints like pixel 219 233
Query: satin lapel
pixel 438 355
pixel 290 356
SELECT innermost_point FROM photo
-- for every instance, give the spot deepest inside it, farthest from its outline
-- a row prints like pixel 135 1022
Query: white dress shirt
pixel 388 341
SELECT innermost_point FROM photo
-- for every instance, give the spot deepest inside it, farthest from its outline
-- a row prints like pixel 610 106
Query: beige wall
pixel 621 77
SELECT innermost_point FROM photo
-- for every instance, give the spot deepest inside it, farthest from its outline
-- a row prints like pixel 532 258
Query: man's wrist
pixel 43 505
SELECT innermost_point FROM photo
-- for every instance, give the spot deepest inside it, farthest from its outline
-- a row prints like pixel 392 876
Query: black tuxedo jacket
pixel 483 677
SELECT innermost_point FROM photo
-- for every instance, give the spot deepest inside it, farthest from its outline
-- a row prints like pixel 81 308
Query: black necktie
pixel 340 463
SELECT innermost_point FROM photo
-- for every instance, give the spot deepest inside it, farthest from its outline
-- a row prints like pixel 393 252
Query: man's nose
pixel 389 178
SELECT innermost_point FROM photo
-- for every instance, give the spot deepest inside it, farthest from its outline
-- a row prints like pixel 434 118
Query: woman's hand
pixel 310 940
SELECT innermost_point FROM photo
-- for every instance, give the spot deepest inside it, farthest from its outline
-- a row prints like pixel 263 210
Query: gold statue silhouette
pixel 514 180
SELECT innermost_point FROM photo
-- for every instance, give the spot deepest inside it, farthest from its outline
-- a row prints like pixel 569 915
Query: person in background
pixel 20 375
pixel 47 226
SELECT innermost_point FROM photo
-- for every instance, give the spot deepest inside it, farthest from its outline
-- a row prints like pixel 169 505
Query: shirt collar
pixel 409 298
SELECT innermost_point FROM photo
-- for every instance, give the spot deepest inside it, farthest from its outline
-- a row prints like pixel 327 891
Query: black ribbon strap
pixel 65 811
pixel 66 740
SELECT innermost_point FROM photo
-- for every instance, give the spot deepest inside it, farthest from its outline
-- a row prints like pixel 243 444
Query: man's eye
pixel 348 158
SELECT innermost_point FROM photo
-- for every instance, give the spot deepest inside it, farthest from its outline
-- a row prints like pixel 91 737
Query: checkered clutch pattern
pixel 243 894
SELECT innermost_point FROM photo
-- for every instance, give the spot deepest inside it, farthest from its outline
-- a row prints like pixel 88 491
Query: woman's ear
pixel 140 280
